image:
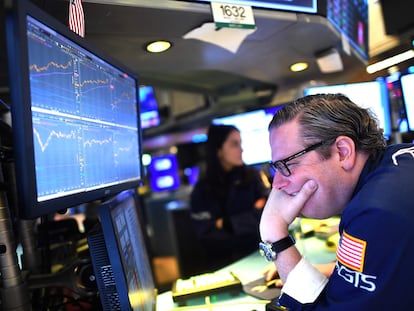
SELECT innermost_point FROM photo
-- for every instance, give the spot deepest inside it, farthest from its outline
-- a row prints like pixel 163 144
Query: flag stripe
pixel 351 252
pixel 76 17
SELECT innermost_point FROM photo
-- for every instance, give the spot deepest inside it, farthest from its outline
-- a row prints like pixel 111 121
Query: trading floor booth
pixel 76 140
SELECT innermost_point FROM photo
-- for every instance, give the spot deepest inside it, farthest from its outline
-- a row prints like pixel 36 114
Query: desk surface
pixel 249 269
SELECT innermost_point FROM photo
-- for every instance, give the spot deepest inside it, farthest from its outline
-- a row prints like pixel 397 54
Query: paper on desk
pixel 227 38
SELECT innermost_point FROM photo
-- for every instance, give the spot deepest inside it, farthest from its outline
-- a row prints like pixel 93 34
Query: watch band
pixel 282 244
pixel 270 250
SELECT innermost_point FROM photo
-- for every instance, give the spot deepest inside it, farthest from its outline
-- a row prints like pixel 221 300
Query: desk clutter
pixel 326 229
pixel 241 285
pixel 206 284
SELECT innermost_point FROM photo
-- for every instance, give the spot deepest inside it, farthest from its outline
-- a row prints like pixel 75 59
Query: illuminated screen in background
pixel 351 20
pixel 84 114
pixel 253 126
pixel 407 87
pixel 372 95
pixel 163 173
pixel 148 107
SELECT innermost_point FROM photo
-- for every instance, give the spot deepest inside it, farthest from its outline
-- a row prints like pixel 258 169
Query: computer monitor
pixel 398 20
pixel 350 18
pixel 75 116
pixel 150 116
pixel 119 256
pixel 164 173
pixel 372 95
pixel 407 88
pixel 253 126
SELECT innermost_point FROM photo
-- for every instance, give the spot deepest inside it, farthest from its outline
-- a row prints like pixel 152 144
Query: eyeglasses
pixel 281 165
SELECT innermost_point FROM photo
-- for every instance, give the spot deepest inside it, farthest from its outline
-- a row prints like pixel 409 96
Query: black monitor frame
pixel 22 122
pixel 120 258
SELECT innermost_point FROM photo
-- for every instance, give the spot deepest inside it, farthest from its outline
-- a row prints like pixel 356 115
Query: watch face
pixel 266 251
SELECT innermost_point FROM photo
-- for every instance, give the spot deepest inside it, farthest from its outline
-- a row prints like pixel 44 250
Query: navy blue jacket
pixel 375 256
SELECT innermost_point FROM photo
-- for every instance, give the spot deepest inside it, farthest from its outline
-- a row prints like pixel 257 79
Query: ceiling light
pixel 389 62
pixel 158 46
pixel 299 66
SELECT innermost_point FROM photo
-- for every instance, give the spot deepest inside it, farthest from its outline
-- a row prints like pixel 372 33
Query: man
pixel 330 158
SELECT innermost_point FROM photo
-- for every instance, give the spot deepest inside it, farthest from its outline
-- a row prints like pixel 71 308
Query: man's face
pixel 335 185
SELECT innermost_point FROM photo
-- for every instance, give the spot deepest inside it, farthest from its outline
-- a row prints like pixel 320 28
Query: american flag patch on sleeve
pixel 351 252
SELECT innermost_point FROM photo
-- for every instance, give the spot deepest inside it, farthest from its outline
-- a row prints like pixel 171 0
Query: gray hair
pixel 323 117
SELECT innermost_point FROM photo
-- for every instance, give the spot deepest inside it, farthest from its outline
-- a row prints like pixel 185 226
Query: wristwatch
pixel 270 250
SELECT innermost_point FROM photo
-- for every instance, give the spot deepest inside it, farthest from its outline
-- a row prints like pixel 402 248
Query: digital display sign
pixel 306 6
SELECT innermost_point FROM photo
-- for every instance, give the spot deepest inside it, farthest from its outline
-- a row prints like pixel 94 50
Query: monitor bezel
pixel 114 250
pixel 28 206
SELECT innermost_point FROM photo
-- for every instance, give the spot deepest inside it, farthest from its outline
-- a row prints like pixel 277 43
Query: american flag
pixel 76 17
pixel 351 252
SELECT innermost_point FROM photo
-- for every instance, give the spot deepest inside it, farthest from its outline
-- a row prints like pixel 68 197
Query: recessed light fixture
pixel 158 46
pixel 299 67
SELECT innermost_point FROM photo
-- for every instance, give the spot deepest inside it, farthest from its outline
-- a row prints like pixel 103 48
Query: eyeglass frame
pixel 283 162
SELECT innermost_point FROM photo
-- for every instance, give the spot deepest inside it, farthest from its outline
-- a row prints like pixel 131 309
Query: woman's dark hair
pixel 215 177
pixel 216 136
pixel 324 117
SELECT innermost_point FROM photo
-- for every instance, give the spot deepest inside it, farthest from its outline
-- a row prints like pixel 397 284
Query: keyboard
pixel 206 284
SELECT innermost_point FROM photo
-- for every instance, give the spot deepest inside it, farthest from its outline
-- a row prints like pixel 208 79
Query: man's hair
pixel 324 117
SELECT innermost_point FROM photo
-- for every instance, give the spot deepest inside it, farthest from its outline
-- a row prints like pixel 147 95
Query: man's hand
pixel 281 209
pixel 270 272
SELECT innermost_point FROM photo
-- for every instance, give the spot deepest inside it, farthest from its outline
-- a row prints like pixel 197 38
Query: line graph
pixel 37 68
pixel 84 118
pixel 99 155
pixel 53 134
pixel 57 157
pixel 126 151
pixel 51 77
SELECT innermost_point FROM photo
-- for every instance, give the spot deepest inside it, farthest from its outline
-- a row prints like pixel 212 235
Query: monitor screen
pixel 253 126
pixel 351 20
pixel 407 88
pixel 126 249
pixel 75 116
pixel 163 173
pixel 148 107
pixel 372 95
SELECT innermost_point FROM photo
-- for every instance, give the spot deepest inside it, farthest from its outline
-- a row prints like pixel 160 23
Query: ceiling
pixel 122 27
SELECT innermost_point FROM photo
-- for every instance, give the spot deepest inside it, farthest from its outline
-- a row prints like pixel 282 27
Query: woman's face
pixel 230 153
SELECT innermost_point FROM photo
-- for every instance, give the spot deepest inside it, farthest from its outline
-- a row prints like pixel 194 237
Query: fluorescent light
pixel 394 60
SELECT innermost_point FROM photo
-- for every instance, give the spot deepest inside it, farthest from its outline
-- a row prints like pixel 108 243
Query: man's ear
pixel 345 148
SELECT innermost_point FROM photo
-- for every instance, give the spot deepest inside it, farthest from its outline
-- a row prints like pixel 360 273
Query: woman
pixel 227 202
